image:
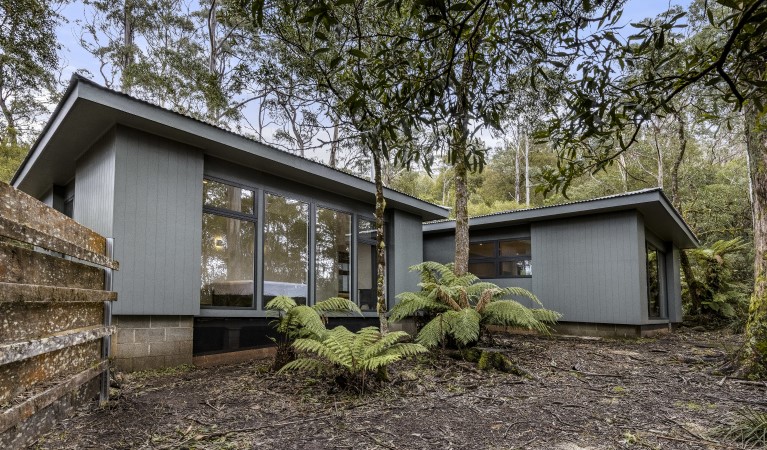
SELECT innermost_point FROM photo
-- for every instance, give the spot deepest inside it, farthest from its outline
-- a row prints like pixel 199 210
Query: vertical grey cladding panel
pixel 407 250
pixel 585 268
pixel 439 247
pixel 95 186
pixel 158 220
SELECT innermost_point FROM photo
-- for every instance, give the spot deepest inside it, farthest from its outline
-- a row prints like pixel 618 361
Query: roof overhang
pixel 660 217
pixel 88 110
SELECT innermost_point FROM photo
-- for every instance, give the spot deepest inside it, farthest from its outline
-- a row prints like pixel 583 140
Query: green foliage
pixel 300 321
pixel 750 427
pixel 355 355
pixel 721 295
pixel 462 306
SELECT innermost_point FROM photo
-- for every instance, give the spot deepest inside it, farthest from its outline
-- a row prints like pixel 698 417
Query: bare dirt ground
pixel 609 393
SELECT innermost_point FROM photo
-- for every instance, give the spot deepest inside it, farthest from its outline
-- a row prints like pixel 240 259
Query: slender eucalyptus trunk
pixel 460 144
pixel 12 132
pixel 693 286
pixel 127 56
pixel 381 306
pixel 682 136
pixel 461 219
pixel 624 172
pixel 517 170
pixel 754 353
pixel 527 171
pixel 333 161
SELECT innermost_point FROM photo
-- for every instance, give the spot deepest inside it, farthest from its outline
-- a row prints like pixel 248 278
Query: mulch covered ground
pixel 609 393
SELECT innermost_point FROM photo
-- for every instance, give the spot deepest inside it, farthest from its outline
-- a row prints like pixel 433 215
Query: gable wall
pixel 590 269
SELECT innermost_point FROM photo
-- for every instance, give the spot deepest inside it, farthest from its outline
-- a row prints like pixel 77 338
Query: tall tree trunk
pixel 381 306
pixel 527 170
pixel 623 171
pixel 682 136
pixel 212 25
pixel 127 57
pixel 693 286
pixel 460 146
pixel 333 161
pixel 461 219
pixel 10 121
pixel 517 169
pixel 754 353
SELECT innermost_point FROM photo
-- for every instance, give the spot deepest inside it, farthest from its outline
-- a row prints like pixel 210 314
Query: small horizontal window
pixel 508 258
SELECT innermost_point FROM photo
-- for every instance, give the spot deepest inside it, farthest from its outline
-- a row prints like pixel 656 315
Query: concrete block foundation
pixel 152 342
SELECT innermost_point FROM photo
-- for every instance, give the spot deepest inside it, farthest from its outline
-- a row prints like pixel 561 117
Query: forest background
pixel 210 60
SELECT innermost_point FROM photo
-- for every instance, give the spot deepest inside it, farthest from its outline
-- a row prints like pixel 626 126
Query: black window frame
pixel 497 259
pixel 239 215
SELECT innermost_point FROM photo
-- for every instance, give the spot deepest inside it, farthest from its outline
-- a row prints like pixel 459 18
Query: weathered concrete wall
pixel 53 321
pixel 152 342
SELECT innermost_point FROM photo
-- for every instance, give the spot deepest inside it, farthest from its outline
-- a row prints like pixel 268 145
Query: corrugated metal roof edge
pixel 607 197
pixel 77 78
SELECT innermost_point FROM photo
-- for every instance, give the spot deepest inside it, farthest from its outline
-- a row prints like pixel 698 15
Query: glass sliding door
pixel 286 248
pixel 333 245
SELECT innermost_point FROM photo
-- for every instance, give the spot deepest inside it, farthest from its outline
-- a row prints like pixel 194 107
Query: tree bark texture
pixel 381 306
pixel 461 219
pixel 460 147
pixel 754 354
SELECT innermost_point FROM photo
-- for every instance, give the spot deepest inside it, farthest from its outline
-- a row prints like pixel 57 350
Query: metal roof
pixel 87 110
pixel 658 213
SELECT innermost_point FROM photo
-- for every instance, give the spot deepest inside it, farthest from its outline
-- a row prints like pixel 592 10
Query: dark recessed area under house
pixel 209 225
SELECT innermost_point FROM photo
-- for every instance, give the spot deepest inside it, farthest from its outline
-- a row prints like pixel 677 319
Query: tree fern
pixel 463 306
pixel 294 321
pixel 355 354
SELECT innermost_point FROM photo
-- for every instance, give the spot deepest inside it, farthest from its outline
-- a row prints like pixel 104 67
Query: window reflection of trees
pixel 286 242
pixel 333 246
pixel 227 261
pixel 653 283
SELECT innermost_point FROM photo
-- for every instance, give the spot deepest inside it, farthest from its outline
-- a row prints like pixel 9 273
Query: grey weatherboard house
pixel 609 265
pixel 208 226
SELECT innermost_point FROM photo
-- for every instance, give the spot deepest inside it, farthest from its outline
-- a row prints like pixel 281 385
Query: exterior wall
pixel 405 249
pixel 95 186
pixel 587 268
pixel 157 227
pixel 152 342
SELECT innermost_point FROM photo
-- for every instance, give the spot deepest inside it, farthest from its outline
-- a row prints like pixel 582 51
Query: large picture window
pixel 366 264
pixel 228 244
pixel 255 241
pixel 333 245
pixel 286 248
pixel 653 283
pixel 510 258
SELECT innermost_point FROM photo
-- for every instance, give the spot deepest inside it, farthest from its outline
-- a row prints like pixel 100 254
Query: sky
pixel 76 58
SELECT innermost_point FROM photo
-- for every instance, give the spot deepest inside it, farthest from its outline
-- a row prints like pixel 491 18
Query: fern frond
pixel 405 349
pixel 432 271
pixel 384 342
pixel 512 313
pixel 377 362
pixel 546 315
pixel 520 292
pixel 281 303
pixel 433 332
pixel 305 321
pixel 337 304
pixel 410 303
pixel 463 325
